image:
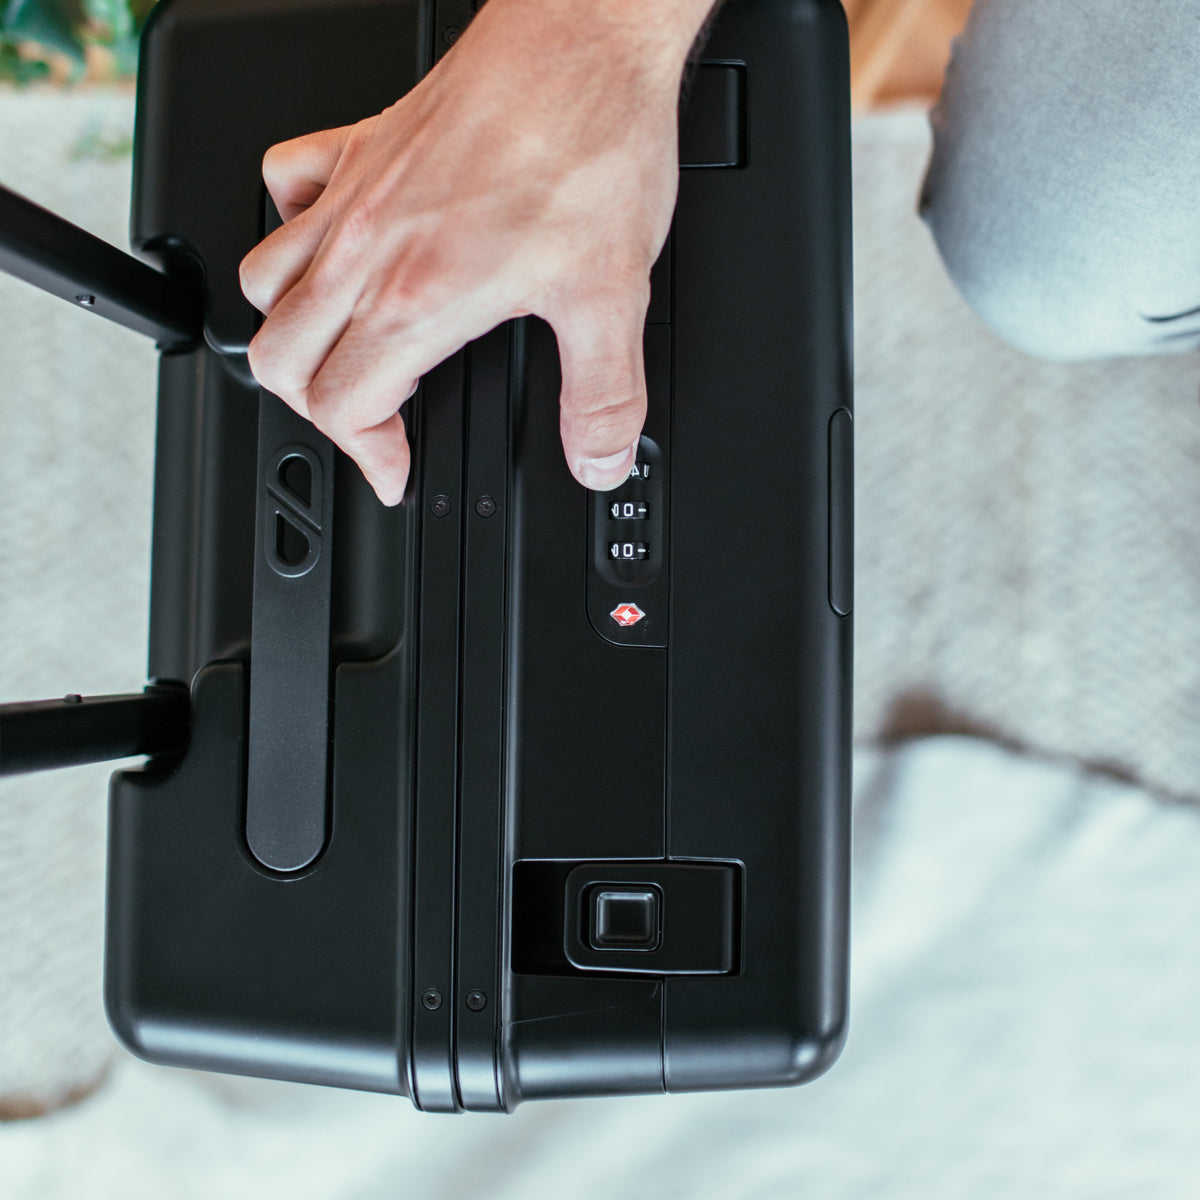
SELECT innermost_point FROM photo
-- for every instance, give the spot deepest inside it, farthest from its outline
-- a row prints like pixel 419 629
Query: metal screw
pixel 485 506
pixel 476 1001
pixel 86 300
pixel 73 698
pixel 450 35
pixel 440 506
pixel 432 999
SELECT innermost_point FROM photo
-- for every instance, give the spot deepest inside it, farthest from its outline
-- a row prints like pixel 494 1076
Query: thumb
pixel 296 172
pixel 603 402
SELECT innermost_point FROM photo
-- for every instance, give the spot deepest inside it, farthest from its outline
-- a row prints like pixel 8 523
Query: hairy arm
pixel 533 171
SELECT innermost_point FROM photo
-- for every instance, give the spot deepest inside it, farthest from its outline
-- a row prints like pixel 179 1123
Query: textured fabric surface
pixel 1023 1024
pixel 1064 190
pixel 1026 547
pixel 1027 551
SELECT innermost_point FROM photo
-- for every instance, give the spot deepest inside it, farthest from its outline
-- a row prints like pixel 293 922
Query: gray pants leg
pixel 1064 187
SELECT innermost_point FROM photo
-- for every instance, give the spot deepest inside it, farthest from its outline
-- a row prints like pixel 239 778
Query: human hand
pixel 533 171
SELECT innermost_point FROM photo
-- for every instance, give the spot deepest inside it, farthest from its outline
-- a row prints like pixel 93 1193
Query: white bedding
pixel 1023 1024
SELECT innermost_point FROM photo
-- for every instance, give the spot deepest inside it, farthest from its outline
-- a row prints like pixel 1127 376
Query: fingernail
pixel 386 491
pixel 391 493
pixel 601 474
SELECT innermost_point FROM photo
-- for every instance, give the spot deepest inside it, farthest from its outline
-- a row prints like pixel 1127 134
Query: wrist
pixel 651 35
pixel 667 28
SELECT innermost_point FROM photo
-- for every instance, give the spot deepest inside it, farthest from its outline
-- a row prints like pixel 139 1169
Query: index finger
pixel 297 172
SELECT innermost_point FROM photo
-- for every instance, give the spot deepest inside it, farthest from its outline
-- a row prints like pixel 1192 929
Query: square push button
pixel 624 918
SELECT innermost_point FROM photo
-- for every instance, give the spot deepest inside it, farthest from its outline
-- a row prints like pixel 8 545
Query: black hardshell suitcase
pixel 514 791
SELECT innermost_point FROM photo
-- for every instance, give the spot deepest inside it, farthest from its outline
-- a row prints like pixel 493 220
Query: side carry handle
pixel 287 760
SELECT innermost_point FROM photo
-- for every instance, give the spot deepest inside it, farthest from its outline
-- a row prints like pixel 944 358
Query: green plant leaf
pixel 126 52
pixel 18 70
pixel 54 23
pixel 110 19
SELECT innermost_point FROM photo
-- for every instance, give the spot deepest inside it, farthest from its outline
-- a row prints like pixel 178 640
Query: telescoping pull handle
pixel 44 734
pixel 60 258
pixel 49 252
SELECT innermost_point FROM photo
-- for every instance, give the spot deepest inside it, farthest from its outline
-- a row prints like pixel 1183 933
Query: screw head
pixel 476 1001
pixel 485 506
pixel 86 300
pixel 432 999
pixel 73 698
pixel 440 506
pixel 450 35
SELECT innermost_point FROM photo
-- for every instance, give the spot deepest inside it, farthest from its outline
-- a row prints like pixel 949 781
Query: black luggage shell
pixel 553 855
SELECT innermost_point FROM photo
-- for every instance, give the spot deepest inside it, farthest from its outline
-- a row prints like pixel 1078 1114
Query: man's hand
pixel 533 171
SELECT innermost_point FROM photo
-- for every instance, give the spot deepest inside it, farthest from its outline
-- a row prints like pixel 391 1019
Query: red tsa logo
pixel 627 614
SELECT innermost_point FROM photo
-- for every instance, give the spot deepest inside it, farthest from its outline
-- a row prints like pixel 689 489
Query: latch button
pixel 653 917
pixel 624 918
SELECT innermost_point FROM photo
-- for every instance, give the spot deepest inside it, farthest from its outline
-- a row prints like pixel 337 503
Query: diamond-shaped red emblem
pixel 627 614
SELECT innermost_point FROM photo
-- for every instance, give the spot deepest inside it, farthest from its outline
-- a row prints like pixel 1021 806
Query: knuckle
pixel 271 162
pixel 409 290
pixel 253 282
pixel 271 369
pixel 262 364
pixel 359 137
pixel 403 299
pixel 326 413
pixel 248 280
pixel 358 229
pixel 346 246
pixel 277 160
pixel 335 411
